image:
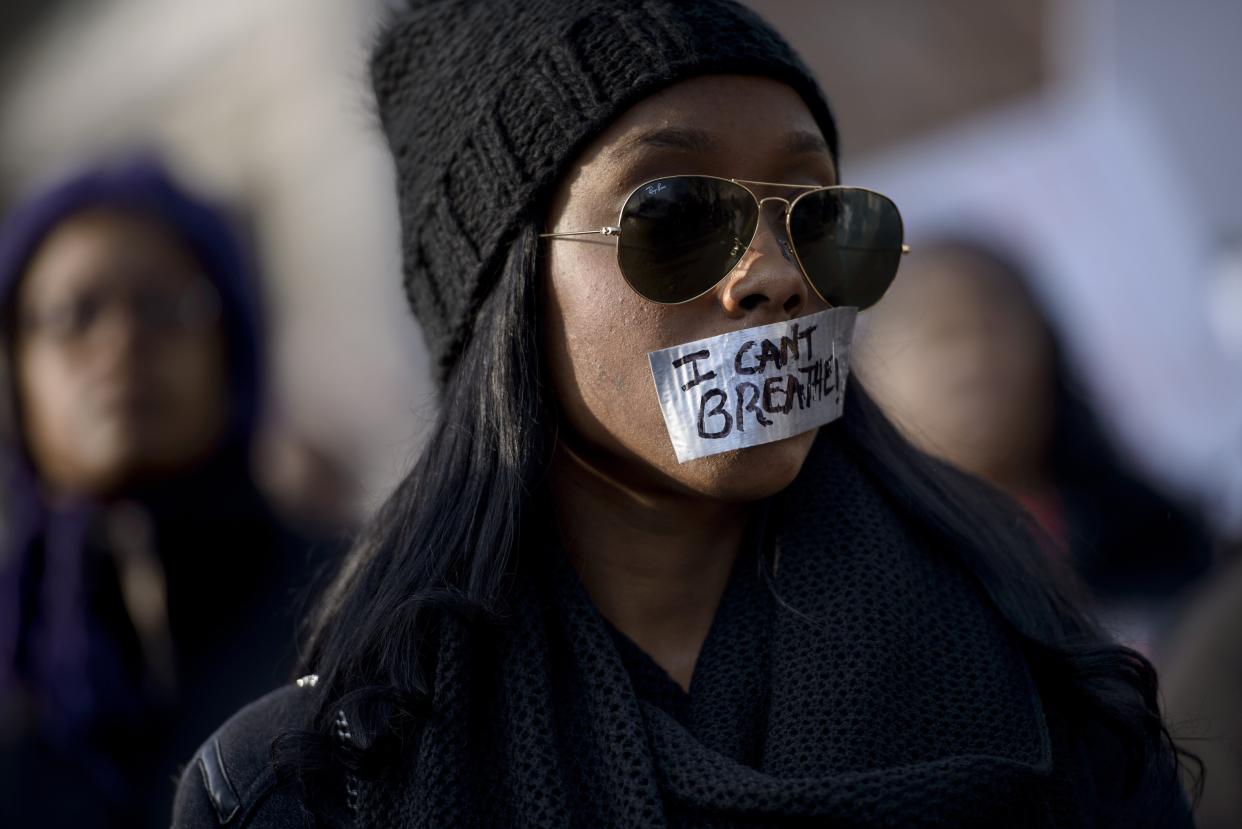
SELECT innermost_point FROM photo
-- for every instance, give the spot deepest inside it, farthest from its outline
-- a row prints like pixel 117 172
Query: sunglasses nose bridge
pixel 780 199
pixel 781 281
pixel 786 206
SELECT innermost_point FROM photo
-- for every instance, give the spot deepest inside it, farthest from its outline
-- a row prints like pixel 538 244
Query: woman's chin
pixel 749 474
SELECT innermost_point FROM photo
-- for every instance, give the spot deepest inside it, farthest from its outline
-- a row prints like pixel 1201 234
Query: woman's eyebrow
pixel 805 142
pixel 694 140
pixel 687 139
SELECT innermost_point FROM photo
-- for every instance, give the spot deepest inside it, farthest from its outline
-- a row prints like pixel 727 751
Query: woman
pixel 129 517
pixel 552 621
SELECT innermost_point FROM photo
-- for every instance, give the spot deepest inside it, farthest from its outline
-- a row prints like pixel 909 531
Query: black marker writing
pixel 693 360
pixel 788 393
pixel 744 362
pixel 749 405
pixel 772 378
pixel 721 399
pixel 805 335
pixel 819 379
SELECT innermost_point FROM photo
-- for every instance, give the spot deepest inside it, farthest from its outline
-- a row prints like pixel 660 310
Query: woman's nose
pixel 767 283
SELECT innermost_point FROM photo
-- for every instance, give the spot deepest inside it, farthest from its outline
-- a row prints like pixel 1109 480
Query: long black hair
pixel 449 539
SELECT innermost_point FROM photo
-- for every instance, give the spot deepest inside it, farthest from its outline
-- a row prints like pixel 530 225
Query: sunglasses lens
pixel 849 243
pixel 680 235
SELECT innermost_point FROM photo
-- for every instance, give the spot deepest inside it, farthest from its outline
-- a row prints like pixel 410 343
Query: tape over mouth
pixel 754 386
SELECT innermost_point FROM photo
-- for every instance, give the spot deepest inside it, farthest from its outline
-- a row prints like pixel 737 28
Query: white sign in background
pixel 754 386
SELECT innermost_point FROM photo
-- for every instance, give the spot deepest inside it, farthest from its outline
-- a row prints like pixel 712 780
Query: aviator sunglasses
pixel 679 236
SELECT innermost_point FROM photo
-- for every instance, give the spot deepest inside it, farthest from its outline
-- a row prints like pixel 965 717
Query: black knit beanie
pixel 485 102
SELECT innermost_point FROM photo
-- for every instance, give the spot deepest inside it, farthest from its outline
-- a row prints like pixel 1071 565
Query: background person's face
pixel 119 357
pixel 960 359
pixel 599 331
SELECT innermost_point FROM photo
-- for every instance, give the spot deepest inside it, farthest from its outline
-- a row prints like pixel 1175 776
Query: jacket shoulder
pixel 231 780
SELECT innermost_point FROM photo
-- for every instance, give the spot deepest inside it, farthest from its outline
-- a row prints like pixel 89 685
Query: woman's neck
pixel 655 563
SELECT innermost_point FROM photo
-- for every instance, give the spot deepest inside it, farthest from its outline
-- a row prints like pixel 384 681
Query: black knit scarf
pixel 861 679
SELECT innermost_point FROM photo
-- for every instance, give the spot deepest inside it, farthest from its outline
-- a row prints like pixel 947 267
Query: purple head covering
pixel 142 184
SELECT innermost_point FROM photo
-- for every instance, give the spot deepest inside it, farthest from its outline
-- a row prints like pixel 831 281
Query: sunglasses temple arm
pixel 603 231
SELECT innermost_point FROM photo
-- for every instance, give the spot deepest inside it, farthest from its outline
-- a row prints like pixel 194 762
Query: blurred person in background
pixel 965 360
pixel 1203 689
pixel 145 584
pixel 309 485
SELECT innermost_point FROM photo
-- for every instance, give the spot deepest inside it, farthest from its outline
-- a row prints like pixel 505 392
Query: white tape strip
pixel 754 386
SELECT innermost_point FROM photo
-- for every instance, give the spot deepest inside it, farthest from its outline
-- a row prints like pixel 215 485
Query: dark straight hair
pixel 448 541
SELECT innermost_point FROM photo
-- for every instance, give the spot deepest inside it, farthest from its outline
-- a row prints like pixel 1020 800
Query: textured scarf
pixel 854 675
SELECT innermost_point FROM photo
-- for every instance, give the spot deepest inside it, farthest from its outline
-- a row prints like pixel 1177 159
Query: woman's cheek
pixel 614 376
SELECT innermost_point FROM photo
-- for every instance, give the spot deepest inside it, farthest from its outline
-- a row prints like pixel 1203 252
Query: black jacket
pixel 232 782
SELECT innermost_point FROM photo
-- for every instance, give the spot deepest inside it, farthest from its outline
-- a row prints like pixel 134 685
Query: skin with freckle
pixel 599 331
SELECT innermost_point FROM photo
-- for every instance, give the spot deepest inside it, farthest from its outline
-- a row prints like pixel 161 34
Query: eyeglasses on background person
pixel 156 310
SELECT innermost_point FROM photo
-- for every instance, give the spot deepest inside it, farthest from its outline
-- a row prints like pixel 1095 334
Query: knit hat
pixel 485 102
